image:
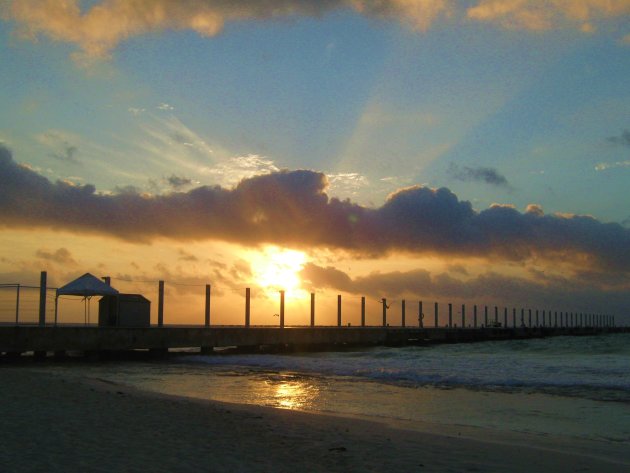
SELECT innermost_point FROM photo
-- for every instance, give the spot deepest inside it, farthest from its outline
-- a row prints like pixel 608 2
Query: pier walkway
pixel 15 340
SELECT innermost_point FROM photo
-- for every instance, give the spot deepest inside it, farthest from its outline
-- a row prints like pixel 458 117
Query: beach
pixel 57 423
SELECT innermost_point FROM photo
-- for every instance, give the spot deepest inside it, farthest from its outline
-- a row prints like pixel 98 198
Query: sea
pixel 577 387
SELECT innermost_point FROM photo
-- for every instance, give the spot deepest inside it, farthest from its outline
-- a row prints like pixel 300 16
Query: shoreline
pixel 97 425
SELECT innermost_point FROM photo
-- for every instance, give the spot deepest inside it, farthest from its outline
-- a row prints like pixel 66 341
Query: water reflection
pixel 289 392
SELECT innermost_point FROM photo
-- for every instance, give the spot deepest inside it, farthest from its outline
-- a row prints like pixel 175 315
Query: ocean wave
pixel 589 367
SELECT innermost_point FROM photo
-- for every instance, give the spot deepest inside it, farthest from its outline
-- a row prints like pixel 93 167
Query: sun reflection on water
pixel 293 393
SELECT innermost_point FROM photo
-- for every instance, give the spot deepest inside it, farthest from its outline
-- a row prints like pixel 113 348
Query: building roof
pixel 87 285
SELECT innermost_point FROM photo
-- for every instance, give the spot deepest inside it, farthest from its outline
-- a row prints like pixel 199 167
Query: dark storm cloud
pixel 477 174
pixel 292 208
pixel 622 140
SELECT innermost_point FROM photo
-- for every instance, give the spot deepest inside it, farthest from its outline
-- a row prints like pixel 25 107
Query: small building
pixel 124 310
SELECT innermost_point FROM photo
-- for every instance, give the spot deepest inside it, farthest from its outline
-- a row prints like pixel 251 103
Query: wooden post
pixel 450 315
pixel 485 317
pixel 17 305
pixel 543 317
pixel 505 317
pixel 247 306
pixel 207 313
pixel 555 318
pixel 339 310
pixel 496 315
pixel 281 309
pixel 402 308
pixel 363 311
pixel 537 321
pixel 514 317
pixel 312 309
pixel 463 315
pixel 475 315
pixel 160 303
pixel 436 314
pixel 529 321
pixel 522 317
pixel 420 315
pixel 384 302
pixel 42 298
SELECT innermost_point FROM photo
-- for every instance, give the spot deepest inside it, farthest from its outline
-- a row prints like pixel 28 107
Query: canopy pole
pixel 56 305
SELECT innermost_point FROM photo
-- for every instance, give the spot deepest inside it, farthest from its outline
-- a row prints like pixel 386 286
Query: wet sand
pixel 51 423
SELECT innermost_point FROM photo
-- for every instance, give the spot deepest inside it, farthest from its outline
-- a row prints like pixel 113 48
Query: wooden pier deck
pixel 15 340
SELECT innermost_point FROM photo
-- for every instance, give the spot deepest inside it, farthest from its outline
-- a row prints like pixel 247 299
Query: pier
pixel 46 336
pixel 15 340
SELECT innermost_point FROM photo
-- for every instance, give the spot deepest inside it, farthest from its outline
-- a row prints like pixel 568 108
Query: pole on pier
pixel 529 320
pixel 505 310
pixel 160 303
pixel 339 310
pixel 522 317
pixel 514 317
pixel 475 316
pixel 384 302
pixel 17 305
pixel 436 314
pixel 363 311
pixel 281 309
pixel 543 317
pixel 496 315
pixel 555 318
pixel 463 315
pixel 537 321
pixel 42 298
pixel 450 315
pixel 312 309
pixel 402 309
pixel 207 313
pixel 247 306
pixel 485 316
pixel 420 315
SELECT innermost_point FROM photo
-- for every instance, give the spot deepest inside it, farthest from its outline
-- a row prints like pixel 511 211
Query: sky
pixel 470 152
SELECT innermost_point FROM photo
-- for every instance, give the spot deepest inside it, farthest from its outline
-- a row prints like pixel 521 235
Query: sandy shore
pixel 53 424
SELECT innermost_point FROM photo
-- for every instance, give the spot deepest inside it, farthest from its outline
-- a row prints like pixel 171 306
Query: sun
pixel 277 269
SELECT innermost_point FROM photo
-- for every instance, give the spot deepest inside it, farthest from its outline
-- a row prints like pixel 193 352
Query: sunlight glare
pixel 278 269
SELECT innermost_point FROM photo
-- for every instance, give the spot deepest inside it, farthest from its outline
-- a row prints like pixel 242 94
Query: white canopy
pixel 87 285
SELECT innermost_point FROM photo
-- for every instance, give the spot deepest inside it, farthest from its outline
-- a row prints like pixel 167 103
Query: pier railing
pixel 38 305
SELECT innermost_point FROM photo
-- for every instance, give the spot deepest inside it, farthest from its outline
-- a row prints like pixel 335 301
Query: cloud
pixel 61 256
pixel 177 182
pixel 61 144
pixel 292 208
pixel 100 28
pixel 165 107
pixel 616 164
pixel 547 293
pixel 622 140
pixel 537 15
pixel 231 171
pixel 186 256
pixel 477 174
